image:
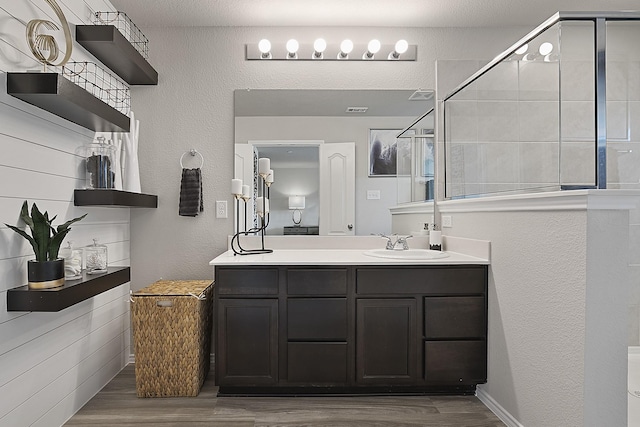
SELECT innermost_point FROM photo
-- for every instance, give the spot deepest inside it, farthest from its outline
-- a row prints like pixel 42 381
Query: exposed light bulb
pixel 374 46
pixel 292 46
pixel 264 46
pixel 522 49
pixel 401 46
pixel 319 45
pixel 345 49
pixel 545 48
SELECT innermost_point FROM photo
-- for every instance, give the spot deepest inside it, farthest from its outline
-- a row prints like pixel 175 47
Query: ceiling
pixel 363 13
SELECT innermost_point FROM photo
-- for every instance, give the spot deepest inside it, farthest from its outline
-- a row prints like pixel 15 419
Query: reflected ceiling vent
pixel 357 109
pixel 421 95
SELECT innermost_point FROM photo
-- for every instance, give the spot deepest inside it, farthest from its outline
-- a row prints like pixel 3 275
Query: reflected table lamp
pixel 296 203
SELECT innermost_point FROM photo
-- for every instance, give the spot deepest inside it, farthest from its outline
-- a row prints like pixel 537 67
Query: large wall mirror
pixel 338 166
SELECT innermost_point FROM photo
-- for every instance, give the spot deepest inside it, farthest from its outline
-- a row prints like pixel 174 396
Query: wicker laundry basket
pixel 171 322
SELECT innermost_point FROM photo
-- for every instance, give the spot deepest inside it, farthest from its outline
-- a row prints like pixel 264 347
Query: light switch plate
pixel 446 221
pixel 221 209
pixel 373 194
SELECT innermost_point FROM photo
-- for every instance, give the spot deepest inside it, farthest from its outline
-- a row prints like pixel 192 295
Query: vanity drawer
pixel 317 319
pixel 419 280
pixel 317 362
pixel 246 281
pixel 315 281
pixel 455 362
pixel 455 317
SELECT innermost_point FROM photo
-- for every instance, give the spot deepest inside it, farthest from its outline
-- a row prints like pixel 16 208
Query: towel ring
pixel 193 152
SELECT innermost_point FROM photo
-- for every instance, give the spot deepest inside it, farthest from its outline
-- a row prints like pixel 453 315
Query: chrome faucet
pixel 403 242
pixel 391 245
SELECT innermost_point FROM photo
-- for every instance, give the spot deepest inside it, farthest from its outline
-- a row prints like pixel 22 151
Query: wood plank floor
pixel 117 404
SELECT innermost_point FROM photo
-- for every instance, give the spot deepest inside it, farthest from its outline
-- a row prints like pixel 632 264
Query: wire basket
pixel 100 83
pixel 127 28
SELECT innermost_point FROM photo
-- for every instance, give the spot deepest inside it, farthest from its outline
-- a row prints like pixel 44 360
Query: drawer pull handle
pixel 165 303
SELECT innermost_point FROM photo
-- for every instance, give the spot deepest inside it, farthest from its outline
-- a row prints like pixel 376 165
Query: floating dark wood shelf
pixel 73 291
pixel 55 94
pixel 107 44
pixel 109 197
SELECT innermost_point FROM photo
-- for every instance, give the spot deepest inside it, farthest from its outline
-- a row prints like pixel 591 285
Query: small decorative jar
pixel 72 262
pixel 99 163
pixel 95 258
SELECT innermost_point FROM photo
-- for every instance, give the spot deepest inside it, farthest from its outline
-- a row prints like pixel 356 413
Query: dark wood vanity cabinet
pixel 350 329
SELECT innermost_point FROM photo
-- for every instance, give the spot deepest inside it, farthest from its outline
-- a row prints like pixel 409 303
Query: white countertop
pixel 335 257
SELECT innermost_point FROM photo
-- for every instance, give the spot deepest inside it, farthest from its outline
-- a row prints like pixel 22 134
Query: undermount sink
pixel 414 254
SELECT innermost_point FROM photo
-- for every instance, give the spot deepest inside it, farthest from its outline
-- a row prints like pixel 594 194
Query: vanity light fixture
pixel 372 48
pixel 346 47
pixel 264 46
pixel 321 50
pixel 545 48
pixel 400 47
pixel 319 47
pixel 292 49
pixel 522 49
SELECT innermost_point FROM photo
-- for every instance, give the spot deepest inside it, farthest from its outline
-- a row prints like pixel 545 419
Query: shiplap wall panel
pixel 62 356
pixel 56 361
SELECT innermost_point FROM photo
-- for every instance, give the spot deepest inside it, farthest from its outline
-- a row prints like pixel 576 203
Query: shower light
pixel 264 46
pixel 345 49
pixel 319 47
pixel 372 48
pixel 545 48
pixel 400 47
pixel 522 49
pixel 292 49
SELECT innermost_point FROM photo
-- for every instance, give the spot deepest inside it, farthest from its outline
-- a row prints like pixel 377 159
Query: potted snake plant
pixel 47 269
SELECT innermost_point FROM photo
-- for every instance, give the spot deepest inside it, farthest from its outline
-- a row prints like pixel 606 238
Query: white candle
pixel 264 164
pixel 245 191
pixel 236 186
pixel 270 176
pixel 260 205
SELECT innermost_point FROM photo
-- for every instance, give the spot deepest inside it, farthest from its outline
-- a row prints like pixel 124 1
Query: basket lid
pixel 174 287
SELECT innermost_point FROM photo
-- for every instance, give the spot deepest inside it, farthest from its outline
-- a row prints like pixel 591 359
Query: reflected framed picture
pixel 383 151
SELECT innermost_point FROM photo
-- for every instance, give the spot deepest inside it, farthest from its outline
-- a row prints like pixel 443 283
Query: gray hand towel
pixel 191 201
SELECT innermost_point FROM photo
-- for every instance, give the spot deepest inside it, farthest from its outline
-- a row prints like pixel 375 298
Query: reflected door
pixel 337 189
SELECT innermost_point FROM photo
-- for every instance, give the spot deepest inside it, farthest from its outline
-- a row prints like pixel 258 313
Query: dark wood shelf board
pixel 110 197
pixel 73 291
pixel 107 44
pixel 55 94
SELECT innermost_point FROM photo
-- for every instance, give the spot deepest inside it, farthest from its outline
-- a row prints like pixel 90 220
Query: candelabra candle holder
pixel 263 213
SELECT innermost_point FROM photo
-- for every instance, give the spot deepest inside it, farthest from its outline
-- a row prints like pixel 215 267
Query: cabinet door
pixel 386 343
pixel 247 342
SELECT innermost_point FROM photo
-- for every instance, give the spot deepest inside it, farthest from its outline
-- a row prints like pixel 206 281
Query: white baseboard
pixel 495 407
pixel 132 359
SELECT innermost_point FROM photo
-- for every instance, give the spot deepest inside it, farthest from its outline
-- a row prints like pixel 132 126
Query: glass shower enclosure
pixel 560 109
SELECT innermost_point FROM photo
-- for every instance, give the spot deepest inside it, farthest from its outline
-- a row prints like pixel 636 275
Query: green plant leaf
pixel 56 242
pixel 66 225
pixel 41 232
pixel 24 215
pixel 21 232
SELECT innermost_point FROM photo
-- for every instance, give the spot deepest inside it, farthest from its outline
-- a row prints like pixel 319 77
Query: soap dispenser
pixel 435 239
